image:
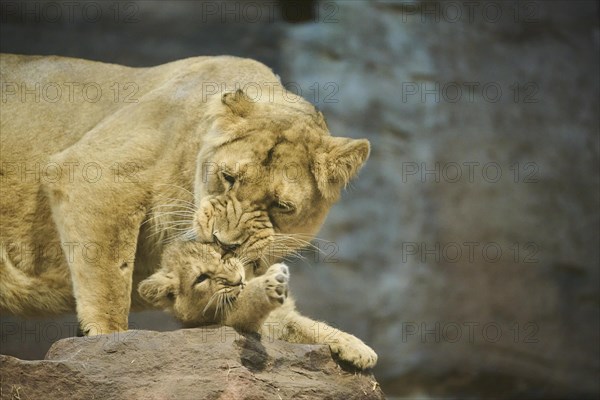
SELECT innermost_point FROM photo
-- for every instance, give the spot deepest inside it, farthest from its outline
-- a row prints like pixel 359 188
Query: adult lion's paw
pixel 351 349
pixel 276 279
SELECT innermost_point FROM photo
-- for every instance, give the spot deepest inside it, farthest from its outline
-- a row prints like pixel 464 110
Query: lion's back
pixel 50 102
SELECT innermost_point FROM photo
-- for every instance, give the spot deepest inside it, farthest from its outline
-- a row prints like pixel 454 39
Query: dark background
pixel 467 253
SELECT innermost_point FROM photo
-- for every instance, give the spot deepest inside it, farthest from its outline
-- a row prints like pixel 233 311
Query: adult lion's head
pixel 268 173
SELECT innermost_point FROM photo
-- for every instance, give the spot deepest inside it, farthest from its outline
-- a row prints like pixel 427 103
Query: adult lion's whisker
pixel 157 217
pixel 184 212
pixel 171 220
pixel 175 200
pixel 302 235
pixel 177 203
pixel 281 239
pixel 175 186
pixel 167 230
pixel 187 235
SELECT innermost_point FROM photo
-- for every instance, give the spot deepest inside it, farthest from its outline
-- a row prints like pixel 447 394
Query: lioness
pixel 102 164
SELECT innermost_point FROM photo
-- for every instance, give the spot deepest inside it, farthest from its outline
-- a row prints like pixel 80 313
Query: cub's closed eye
pixel 230 179
pixel 201 278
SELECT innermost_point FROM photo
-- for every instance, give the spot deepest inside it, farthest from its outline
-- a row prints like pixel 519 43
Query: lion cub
pixel 199 287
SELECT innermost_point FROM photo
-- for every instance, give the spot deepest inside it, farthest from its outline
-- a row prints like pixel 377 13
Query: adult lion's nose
pixel 227 247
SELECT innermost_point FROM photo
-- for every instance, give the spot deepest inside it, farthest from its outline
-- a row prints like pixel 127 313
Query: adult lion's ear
pixel 159 289
pixel 238 102
pixel 337 162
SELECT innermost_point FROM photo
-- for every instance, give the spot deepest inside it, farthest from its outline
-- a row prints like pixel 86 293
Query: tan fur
pixel 199 287
pixel 93 187
pixel 261 304
pixel 198 291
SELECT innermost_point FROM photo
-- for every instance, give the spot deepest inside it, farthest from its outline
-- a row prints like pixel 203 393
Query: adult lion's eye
pixel 230 179
pixel 201 278
pixel 283 207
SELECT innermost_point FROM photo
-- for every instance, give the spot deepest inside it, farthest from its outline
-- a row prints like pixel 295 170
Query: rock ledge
pixel 202 363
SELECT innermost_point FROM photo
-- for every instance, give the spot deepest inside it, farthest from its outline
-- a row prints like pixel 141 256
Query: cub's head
pixel 268 173
pixel 194 283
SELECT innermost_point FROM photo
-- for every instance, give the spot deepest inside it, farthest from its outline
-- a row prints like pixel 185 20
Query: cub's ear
pixel 159 289
pixel 337 162
pixel 238 102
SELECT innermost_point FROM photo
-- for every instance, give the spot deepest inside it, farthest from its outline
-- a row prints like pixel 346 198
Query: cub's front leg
pixel 287 324
pixel 260 296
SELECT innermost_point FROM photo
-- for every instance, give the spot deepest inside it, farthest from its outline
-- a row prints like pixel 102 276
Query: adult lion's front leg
pixel 98 213
pixel 100 254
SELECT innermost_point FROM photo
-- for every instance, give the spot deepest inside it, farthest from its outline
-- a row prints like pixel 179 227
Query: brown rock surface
pixel 204 363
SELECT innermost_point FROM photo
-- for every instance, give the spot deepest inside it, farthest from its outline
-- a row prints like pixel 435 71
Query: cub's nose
pixel 227 247
pixel 239 282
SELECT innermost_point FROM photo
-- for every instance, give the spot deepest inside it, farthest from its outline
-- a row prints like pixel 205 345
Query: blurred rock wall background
pixel 467 252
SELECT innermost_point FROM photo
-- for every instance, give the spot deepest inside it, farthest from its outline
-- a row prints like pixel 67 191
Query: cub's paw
pixel 351 349
pixel 276 281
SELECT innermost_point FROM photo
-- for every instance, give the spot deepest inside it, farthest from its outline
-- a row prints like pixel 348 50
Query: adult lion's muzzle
pixel 236 227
